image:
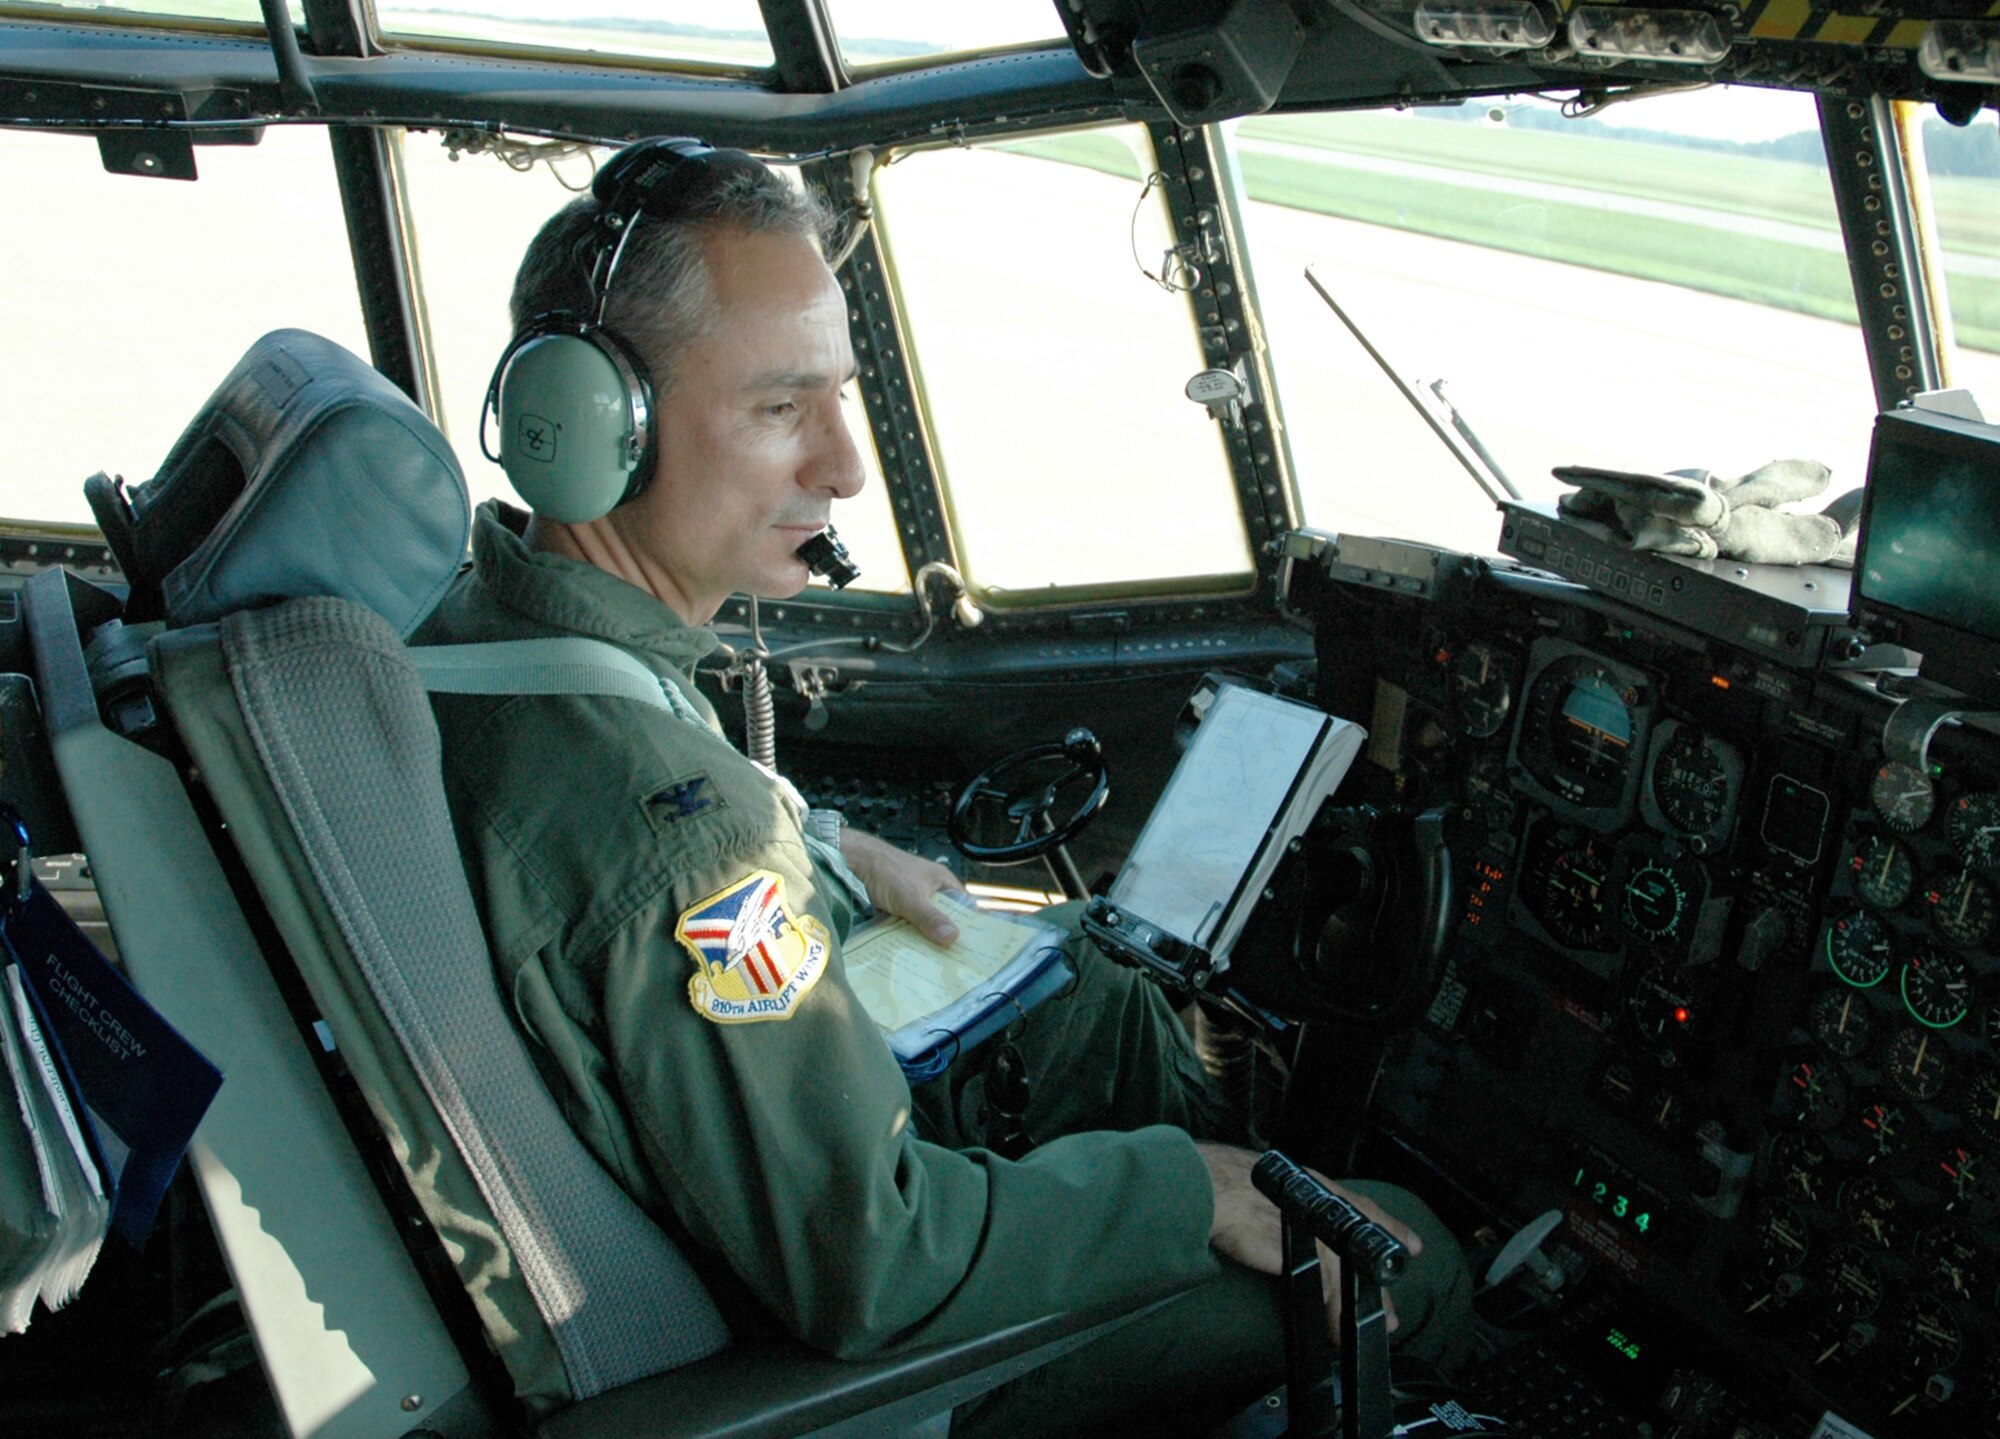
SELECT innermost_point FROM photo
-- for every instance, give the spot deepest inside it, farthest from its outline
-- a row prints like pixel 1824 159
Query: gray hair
pixel 662 296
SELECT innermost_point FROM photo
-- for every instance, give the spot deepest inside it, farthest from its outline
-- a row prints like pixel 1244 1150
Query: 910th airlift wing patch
pixel 755 961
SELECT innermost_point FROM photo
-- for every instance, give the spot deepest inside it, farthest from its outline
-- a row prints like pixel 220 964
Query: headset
pixel 573 400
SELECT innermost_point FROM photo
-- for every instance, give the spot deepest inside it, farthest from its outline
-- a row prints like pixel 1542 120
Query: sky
pixel 1720 112
pixel 953 26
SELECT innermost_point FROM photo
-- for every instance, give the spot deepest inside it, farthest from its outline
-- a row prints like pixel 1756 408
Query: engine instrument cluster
pixel 1724 988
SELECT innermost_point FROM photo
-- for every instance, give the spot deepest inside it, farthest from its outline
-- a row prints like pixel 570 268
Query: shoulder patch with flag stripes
pixel 754 960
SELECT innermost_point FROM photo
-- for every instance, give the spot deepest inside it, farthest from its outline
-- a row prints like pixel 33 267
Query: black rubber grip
pixel 1331 1220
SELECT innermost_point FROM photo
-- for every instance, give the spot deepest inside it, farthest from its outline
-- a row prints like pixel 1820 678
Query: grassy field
pixel 1736 184
pixel 1713 257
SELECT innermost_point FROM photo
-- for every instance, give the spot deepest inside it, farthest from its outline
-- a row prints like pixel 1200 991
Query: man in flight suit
pixel 669 928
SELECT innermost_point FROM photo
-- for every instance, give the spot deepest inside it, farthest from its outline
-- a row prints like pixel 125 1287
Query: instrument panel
pixel 1724 989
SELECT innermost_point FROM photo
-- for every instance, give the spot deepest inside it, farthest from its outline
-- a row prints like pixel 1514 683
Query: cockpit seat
pixel 306 522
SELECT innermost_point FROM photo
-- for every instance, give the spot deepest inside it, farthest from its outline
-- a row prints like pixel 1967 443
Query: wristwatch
pixel 826 825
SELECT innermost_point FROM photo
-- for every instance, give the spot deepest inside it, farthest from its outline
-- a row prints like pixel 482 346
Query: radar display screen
pixel 1929 557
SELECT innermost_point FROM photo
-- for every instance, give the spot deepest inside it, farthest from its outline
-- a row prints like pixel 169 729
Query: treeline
pixel 1950 149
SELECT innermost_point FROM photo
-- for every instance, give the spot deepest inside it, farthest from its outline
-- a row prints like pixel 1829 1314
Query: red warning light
pixel 1721 682
pixel 1680 1014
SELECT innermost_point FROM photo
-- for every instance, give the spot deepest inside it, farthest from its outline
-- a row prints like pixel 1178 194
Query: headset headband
pixel 660 179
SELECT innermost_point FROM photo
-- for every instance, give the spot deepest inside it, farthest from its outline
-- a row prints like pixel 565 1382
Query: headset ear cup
pixel 645 419
pixel 575 420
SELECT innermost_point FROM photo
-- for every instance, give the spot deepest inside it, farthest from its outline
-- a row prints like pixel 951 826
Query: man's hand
pixel 1247 1227
pixel 900 883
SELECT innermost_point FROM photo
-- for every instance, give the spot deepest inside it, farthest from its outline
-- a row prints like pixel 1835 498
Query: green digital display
pixel 1624 1343
pixel 1620 1203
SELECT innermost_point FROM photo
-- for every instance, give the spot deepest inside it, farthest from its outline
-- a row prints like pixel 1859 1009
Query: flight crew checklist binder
pixel 99 1097
pixel 1253 776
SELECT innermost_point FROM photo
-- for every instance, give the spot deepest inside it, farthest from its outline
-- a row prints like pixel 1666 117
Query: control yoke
pixel 1356 925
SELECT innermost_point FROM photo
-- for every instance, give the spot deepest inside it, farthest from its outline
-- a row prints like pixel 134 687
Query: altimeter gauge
pixel 1692 783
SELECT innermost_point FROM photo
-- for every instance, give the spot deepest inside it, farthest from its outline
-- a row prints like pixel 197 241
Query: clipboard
pixel 933 1002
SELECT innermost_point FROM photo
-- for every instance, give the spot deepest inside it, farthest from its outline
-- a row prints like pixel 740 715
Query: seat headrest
pixel 306 473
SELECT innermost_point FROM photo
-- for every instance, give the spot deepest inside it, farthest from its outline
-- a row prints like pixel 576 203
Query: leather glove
pixel 1694 513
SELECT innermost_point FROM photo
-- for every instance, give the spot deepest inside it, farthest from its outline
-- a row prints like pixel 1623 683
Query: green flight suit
pixel 745 1098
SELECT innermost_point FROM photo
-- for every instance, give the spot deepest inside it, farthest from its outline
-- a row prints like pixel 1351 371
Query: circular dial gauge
pixel 1800 1160
pixel 1903 796
pixel 1841 1022
pixel 1481 680
pixel 1961 907
pixel 1871 1206
pixel 1970 1179
pixel 1566 878
pixel 1662 1111
pixel 1915 1064
pixel 1887 1130
pixel 1989 1026
pixel 1852 1282
pixel 1661 1006
pixel 1982 1105
pixel 1951 1259
pixel 1783 1238
pixel 1928 1328
pixel 1859 949
pixel 1617 1085
pixel 1937 987
pixel 1694 780
pixel 1578 729
pixel 1972 823
pixel 1884 874
pixel 1818 1092
pixel 1655 901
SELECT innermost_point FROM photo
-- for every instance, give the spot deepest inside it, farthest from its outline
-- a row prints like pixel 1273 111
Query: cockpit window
pixel 1658 286
pixel 474 213
pixel 243 12
pixel 1054 368
pixel 1962 173
pixel 884 32
pixel 726 33
pixel 139 295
